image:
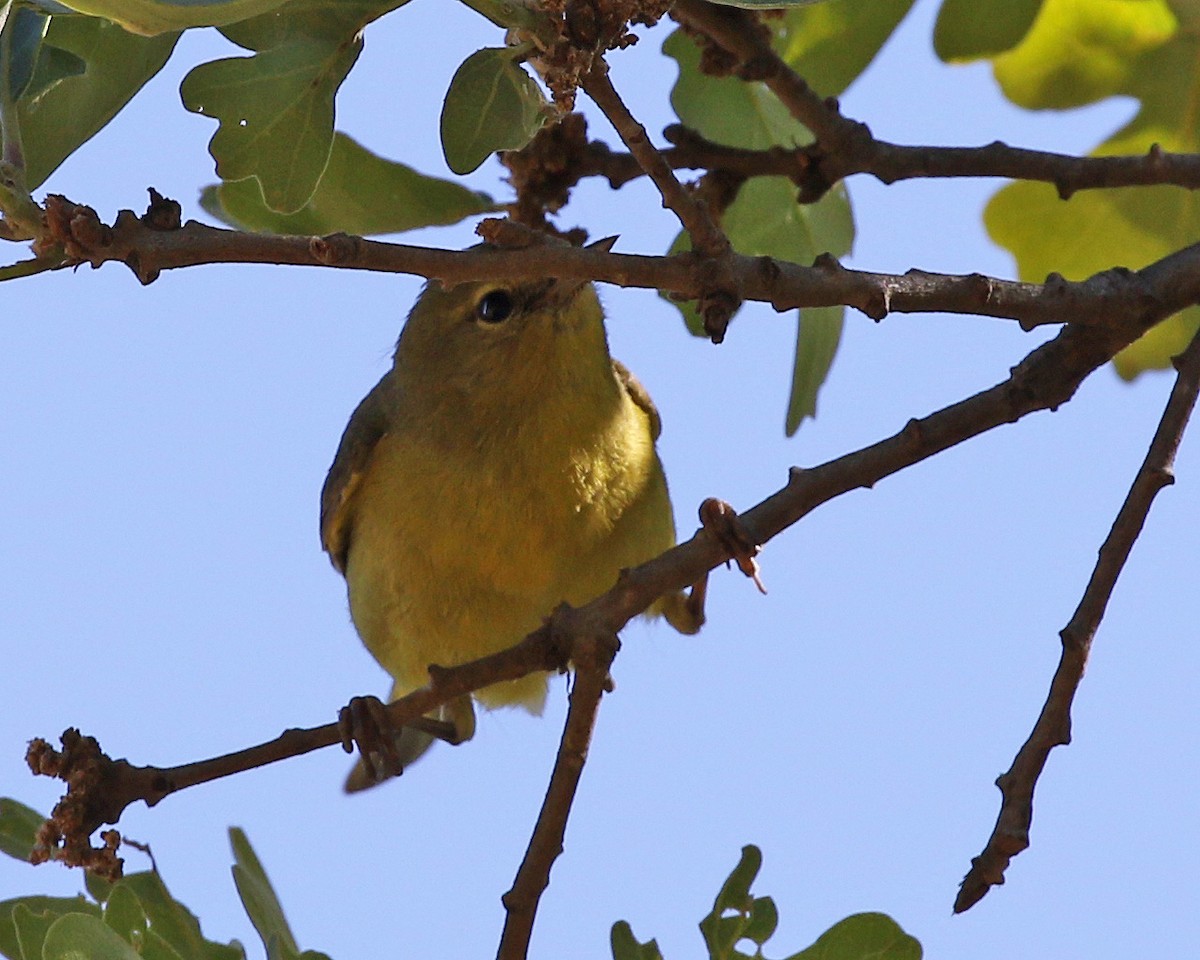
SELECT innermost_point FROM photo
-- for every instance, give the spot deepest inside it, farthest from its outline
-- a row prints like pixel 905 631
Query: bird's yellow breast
pixel 460 549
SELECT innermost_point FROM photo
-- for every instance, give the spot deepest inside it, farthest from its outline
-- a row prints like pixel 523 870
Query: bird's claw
pixel 364 724
pixel 722 521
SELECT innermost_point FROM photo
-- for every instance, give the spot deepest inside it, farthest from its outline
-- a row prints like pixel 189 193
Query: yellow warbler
pixel 504 464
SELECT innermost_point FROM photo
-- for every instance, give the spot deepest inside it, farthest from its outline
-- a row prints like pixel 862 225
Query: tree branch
pixel 706 236
pixel 719 296
pixel 739 33
pixel 889 162
pixel 1100 300
pixel 99 788
pixel 815 170
pixel 594 650
pixel 845 147
pixel 690 151
pixel 1046 378
pixel 1053 726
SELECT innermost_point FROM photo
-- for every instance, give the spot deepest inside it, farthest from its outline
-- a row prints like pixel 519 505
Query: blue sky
pixel 162 585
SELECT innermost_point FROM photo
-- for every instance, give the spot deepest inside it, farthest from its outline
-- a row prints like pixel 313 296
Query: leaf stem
pixel 21 216
pixel 11 151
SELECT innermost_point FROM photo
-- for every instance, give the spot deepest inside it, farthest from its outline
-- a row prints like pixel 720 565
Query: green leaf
pixel 172 921
pixel 735 891
pixel 276 114
pixel 276 108
pixel 1080 51
pixel 19 825
pixel 625 945
pixel 152 17
pixel 261 903
pixel 27 268
pixel 359 193
pixel 817 337
pixel 725 109
pixel 23 30
pixel 58 118
pixel 80 937
pixel 36 906
pixel 49 7
pixel 829 44
pixel 864 936
pixel 1075 53
pixel 53 65
pixel 31 930
pixel 153 947
pixel 970 29
pixel 123 913
pixel 763 919
pixel 258 896
pixel 33 65
pixel 314 19
pixel 832 43
pixel 1093 231
pixel 767 4
pixel 766 221
pixel 721 931
pixel 492 104
pixel 98 887
pixel 504 13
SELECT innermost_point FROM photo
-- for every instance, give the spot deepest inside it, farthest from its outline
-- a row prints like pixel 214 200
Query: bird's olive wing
pixel 367 425
pixel 639 395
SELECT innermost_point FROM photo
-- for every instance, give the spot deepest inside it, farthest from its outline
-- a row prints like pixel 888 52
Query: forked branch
pixel 844 146
pixel 1044 380
pixel 595 648
pixel 1053 726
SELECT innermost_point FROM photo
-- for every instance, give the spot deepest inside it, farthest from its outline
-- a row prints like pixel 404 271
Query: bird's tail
pixel 685 612
pixel 410 747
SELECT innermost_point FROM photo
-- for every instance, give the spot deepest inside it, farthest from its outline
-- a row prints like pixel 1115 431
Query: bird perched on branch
pixel 505 464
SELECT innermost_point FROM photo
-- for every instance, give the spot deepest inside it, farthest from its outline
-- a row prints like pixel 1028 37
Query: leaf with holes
pixel 276 114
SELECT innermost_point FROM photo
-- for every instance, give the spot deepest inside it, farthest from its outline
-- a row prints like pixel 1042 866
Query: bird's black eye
pixel 495 307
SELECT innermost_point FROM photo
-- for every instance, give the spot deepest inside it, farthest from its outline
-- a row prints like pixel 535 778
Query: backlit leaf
pixel 359 193
pixel 492 104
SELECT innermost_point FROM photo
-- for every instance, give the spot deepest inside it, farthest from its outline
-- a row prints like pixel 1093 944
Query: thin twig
pixel 690 151
pixel 99 788
pixel 719 297
pixel 738 32
pixel 592 655
pixel 815 169
pixel 890 162
pixel 707 238
pixel 1053 726
pixel 845 146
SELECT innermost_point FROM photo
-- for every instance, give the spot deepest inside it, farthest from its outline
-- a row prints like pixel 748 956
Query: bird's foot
pixel 722 521
pixel 364 724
